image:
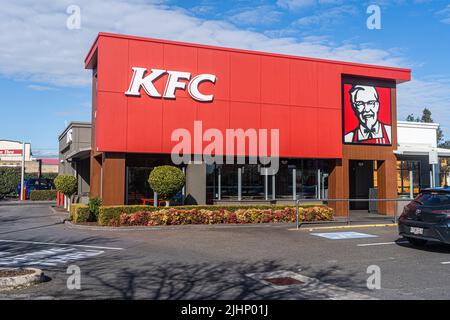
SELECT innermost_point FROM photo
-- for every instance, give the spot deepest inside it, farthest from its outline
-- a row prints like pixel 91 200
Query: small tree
pixel 166 181
pixel 67 185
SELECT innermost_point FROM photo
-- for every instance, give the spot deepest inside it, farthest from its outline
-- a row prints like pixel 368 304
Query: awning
pixel 80 154
pixel 422 151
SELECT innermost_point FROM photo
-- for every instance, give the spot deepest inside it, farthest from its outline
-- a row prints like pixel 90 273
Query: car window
pixel 434 198
pixel 33 182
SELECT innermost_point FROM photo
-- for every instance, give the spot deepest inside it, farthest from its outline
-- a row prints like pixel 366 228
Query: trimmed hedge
pixel 149 215
pixel 42 195
pixel 80 213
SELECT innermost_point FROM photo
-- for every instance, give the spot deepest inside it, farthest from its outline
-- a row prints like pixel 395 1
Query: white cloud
pixel 430 92
pixel 38 46
pixel 445 13
pixel 295 4
pixel 261 15
pixel 327 17
pixel 38 87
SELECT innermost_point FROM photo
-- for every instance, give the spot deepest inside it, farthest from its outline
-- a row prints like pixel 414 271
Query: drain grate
pixel 283 281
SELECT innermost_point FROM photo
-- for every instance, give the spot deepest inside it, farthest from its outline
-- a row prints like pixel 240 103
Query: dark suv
pixel 427 217
pixel 35 184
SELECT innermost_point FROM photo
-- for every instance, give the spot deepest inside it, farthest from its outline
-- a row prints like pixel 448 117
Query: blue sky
pixel 43 84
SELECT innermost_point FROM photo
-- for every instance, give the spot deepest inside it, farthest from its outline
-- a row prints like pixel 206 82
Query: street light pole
pixel 22 175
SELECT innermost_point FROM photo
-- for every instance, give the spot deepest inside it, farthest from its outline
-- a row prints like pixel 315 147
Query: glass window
pixel 403 181
pixel 252 182
pixel 444 171
pixel 434 198
pixel 138 186
pixel 229 181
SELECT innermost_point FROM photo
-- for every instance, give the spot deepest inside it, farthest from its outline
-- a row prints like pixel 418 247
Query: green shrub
pixel 66 184
pixel 42 195
pixel 166 181
pixel 80 213
pixel 252 213
pixel 94 206
pixel 9 178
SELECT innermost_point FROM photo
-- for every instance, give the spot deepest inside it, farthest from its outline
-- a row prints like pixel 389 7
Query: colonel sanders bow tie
pixel 370 132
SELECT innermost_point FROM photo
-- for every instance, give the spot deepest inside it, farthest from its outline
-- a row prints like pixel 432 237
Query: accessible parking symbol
pixel 343 235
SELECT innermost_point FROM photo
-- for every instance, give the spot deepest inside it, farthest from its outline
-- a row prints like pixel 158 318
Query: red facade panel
pixel 299 96
pixel 245 77
pixel 275 80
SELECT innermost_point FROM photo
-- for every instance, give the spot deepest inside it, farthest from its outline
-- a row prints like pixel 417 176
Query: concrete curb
pixel 25 203
pixel 62 217
pixel 373 225
pixel 186 226
pixel 11 282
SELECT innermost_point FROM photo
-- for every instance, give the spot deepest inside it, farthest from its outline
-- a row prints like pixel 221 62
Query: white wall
pixel 416 134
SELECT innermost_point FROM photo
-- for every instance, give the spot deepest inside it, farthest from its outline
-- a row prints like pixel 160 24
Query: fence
pixel 347 217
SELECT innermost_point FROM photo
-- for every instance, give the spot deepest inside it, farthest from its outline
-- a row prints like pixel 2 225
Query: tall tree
pixel 445 144
pixel 410 118
pixel 426 117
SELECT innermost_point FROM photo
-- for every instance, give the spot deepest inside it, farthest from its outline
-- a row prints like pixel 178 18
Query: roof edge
pixel 189 44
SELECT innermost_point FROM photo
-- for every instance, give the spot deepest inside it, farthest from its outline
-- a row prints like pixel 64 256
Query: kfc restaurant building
pixel 336 122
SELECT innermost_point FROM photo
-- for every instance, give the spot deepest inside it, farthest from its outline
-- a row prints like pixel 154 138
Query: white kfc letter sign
pixel 173 83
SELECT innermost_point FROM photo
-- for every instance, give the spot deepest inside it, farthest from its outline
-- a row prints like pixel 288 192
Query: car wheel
pixel 417 242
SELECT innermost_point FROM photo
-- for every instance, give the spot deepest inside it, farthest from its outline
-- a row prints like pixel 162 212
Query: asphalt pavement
pixel 218 262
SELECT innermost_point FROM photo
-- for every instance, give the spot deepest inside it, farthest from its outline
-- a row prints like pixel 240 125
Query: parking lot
pixel 218 262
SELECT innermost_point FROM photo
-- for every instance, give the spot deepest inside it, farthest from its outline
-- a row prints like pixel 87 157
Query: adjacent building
pixel 74 155
pixel 12 152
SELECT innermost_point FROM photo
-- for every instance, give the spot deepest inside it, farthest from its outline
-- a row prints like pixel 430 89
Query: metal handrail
pixel 298 201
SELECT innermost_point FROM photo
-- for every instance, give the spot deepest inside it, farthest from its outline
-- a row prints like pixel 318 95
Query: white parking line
pixel 62 244
pixel 379 243
pixel 49 257
pixel 446 262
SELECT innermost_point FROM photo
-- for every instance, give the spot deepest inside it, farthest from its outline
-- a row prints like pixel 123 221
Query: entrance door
pixel 361 180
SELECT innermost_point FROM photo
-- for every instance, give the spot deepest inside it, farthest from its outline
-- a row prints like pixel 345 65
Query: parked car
pixel 427 217
pixel 35 184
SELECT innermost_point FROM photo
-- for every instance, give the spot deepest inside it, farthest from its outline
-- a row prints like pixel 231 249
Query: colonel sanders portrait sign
pixel 367 114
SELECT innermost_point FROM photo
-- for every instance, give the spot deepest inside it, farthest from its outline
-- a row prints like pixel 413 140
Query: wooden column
pixel 95 179
pixel 387 186
pixel 113 178
pixel 338 186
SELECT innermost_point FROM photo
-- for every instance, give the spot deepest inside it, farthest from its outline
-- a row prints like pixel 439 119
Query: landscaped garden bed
pixel 183 215
pixel 166 181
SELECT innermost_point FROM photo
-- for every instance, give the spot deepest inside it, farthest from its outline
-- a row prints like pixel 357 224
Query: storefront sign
pixel 367 115
pixel 173 83
pixel 12 152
